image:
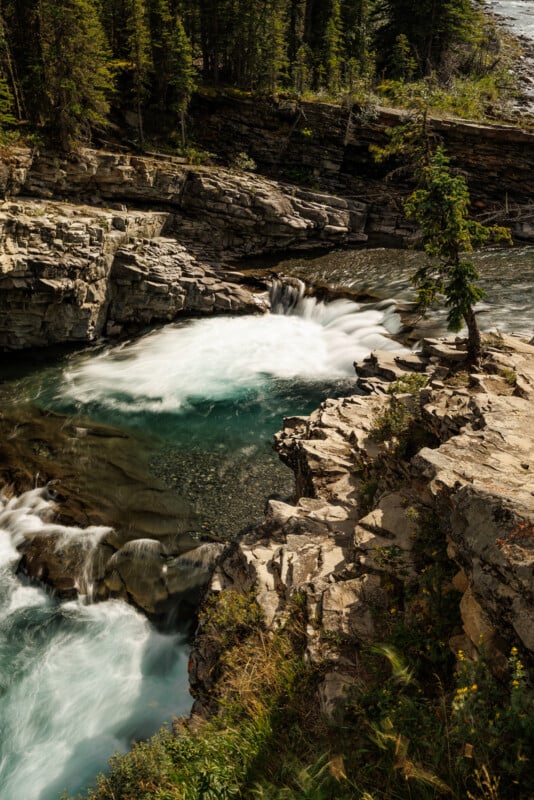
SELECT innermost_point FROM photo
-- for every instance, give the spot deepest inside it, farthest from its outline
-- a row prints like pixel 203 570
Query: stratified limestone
pixel 342 556
pixel 73 273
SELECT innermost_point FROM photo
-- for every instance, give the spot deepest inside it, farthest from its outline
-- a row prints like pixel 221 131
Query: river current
pixel 80 680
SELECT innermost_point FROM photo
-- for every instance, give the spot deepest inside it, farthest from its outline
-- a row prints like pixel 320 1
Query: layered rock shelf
pixel 352 531
pixel 332 142
pixel 71 272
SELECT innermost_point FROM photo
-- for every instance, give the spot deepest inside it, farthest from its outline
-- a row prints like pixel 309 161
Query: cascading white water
pixel 77 682
pixel 218 358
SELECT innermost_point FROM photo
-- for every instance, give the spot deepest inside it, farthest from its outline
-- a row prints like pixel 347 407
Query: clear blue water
pixel 80 681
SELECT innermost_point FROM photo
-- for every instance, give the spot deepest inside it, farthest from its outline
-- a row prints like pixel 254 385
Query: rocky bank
pixel 72 272
pixel 99 241
pixel 456 474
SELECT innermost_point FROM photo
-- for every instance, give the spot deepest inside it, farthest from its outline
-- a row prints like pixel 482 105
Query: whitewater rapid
pixel 77 681
pixel 219 358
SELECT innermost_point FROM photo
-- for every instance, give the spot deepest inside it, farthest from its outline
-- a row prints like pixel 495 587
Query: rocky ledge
pixel 71 272
pixel 439 463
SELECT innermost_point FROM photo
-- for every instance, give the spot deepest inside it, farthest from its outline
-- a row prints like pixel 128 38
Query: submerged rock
pixel 113 532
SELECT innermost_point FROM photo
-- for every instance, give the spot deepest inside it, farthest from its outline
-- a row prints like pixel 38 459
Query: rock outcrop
pixel 226 213
pixel 71 272
pixel 351 538
pixel 332 142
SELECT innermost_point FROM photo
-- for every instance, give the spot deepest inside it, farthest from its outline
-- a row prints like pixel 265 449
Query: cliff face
pixel 71 272
pixel 74 273
pixel 333 141
pixel 351 542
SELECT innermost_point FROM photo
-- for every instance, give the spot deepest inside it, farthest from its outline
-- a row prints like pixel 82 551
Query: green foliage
pixel 471 96
pixel 448 742
pixel 403 64
pixel 399 422
pixel 440 206
pixel 182 72
pixel 65 62
pixel 430 28
pixel 231 616
pixel 76 72
pixel 493 722
pixel 509 375
pixel 393 422
pixel 332 48
pixel 243 162
pixel 140 60
pixel 7 120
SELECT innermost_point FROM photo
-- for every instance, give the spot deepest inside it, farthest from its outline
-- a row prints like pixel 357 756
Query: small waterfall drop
pixel 285 294
pixel 168 370
pixel 77 681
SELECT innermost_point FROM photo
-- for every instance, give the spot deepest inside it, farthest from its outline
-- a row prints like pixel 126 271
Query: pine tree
pixel 272 59
pixel 140 58
pixel 77 79
pixel 21 29
pixel 356 24
pixel 183 73
pixel 403 64
pixel 302 69
pixel 332 48
pixel 6 107
pixel 440 206
pixel 12 92
pixel 431 27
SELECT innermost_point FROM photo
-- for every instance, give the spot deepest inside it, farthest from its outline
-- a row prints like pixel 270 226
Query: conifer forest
pixel 68 65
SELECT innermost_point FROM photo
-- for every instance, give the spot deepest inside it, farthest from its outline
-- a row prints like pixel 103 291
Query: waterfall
pixel 29 520
pixel 77 681
pixel 171 369
pixel 285 294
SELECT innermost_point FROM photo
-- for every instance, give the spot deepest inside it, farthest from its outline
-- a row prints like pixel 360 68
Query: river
pixel 518 17
pixel 80 680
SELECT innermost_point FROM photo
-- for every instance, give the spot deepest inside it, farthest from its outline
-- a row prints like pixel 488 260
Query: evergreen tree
pixel 302 69
pixel 296 27
pixel 12 91
pixel 272 59
pixel 440 206
pixel 356 25
pixel 431 27
pixel 183 73
pixel 6 107
pixel 77 79
pixel 403 64
pixel 332 48
pixel 140 58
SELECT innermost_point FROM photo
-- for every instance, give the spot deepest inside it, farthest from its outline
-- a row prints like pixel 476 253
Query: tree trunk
pixel 182 126
pixel 140 130
pixel 474 343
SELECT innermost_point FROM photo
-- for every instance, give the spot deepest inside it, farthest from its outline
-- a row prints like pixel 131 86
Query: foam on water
pixel 221 358
pixel 77 682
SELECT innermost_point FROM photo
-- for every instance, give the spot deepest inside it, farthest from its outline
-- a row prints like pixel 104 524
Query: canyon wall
pixel 333 140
